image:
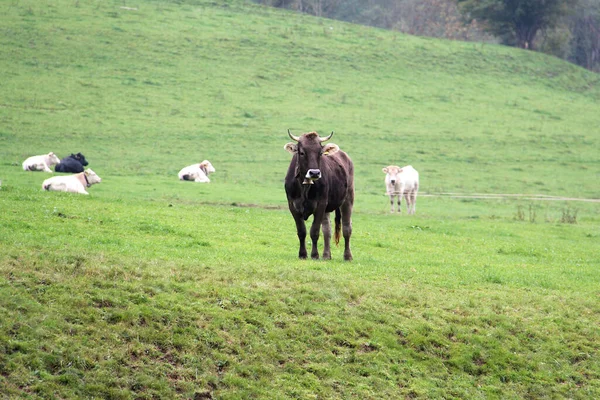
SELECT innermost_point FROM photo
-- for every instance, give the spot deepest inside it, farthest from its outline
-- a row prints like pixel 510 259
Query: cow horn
pixel 295 138
pixel 326 138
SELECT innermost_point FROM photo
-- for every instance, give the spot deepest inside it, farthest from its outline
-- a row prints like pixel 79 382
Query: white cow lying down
pixel 76 183
pixel 402 182
pixel 41 163
pixel 197 172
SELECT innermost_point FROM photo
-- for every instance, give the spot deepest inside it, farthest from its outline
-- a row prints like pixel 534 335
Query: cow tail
pixel 46 186
pixel 338 226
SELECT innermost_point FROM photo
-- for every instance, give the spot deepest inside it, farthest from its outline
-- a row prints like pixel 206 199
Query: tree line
pixel 569 29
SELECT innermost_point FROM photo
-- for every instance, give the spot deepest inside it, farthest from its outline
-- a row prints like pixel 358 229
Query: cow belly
pixel 65 186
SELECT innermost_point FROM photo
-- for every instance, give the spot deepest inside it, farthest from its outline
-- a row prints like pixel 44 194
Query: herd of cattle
pixel 76 183
pixel 319 180
pixel 82 179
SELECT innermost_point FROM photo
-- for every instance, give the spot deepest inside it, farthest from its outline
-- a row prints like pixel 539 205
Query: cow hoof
pixel 326 256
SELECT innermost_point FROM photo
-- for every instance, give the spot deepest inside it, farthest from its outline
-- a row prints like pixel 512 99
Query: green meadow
pixel 154 288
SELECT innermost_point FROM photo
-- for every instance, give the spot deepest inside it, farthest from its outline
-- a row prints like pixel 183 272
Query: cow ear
pixel 330 148
pixel 385 170
pixel 291 148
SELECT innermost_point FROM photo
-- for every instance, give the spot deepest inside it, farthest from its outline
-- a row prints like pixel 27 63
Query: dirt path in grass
pixel 494 196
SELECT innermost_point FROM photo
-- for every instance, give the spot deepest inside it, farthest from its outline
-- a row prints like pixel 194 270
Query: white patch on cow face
pixel 312 175
pixel 330 148
pixel 291 148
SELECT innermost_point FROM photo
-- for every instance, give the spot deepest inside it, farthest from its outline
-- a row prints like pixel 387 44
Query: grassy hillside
pixel 155 288
pixel 146 91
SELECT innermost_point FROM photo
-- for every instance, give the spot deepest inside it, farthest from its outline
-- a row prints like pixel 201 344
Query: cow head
pixel 207 167
pixel 79 157
pixel 392 173
pixel 91 177
pixel 53 158
pixel 309 150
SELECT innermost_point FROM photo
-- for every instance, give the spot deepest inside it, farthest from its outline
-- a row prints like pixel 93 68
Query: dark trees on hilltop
pixel 569 29
pixel 518 22
pixel 585 35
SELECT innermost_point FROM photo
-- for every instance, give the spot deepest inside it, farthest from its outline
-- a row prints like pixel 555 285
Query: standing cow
pixel 320 179
pixel 41 163
pixel 402 182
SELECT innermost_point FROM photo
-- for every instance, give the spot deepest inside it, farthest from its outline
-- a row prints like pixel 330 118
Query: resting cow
pixel 320 179
pixel 41 163
pixel 73 163
pixel 197 172
pixel 402 182
pixel 72 183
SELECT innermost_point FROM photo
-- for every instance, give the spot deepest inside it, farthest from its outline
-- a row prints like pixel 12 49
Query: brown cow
pixel 320 179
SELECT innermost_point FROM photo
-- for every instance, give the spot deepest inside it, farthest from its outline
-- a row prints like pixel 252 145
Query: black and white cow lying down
pixel 197 172
pixel 41 163
pixel 73 163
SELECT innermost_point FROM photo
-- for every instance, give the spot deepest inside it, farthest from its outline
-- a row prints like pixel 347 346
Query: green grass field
pixel 155 288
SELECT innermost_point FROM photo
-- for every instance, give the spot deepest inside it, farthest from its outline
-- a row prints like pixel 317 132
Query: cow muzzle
pixel 311 176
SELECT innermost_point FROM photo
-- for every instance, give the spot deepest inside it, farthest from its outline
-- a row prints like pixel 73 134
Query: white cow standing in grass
pixel 402 182
pixel 76 183
pixel 41 163
pixel 197 172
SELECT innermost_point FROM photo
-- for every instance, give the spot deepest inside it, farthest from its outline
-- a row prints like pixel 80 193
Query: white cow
pixel 41 163
pixel 197 172
pixel 402 182
pixel 76 183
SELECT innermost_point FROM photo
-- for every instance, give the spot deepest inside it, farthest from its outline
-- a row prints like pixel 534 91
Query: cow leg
pixel 315 231
pixel 408 203
pixel 392 203
pixel 346 211
pixel 414 201
pixel 301 229
pixel 400 203
pixel 326 224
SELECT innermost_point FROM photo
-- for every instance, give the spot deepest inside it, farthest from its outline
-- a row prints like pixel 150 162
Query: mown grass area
pixel 155 288
pixel 116 299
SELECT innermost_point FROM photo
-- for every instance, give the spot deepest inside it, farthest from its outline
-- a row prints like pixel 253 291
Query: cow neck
pixel 304 189
pixel 203 169
pixel 87 183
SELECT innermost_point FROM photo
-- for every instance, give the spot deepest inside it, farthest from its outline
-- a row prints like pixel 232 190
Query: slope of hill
pixel 150 89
